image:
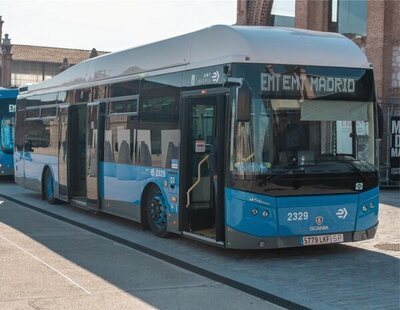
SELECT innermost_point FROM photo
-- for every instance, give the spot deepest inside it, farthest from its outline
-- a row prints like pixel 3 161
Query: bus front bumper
pixel 237 240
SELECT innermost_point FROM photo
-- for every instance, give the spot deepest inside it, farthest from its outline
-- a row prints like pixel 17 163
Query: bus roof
pixel 213 46
pixel 6 93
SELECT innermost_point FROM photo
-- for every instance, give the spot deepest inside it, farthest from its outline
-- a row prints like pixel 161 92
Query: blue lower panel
pixel 319 214
pixel 367 216
pixel 6 164
pixel 125 183
pixel 241 215
pixel 265 216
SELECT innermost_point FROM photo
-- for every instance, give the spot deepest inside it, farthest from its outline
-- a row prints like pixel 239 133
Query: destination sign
pixel 277 82
pixel 311 82
pixel 7 106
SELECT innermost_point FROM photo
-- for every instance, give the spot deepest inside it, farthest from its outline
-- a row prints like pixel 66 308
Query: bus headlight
pixel 365 208
pixel 254 211
pixel 371 205
pixel 265 213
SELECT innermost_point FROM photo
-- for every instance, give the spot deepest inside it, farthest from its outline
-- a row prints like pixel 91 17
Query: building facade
pixel 374 25
pixel 26 64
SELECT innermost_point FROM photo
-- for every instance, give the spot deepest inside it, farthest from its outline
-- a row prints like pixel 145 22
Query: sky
pixel 106 24
pixel 112 25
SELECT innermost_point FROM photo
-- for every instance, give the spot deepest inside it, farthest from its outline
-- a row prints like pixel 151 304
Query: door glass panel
pixel 202 135
pixel 77 151
pixel 91 154
pixel 62 152
pixel 200 143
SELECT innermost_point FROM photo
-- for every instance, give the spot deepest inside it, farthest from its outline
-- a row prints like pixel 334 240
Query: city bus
pixel 8 99
pixel 243 137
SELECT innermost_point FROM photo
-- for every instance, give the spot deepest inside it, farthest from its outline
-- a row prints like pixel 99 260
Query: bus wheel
pixel 48 187
pixel 156 210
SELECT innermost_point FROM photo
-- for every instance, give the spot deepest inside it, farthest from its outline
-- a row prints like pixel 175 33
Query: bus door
pixel 202 165
pixel 63 152
pixel 94 152
pixel 77 123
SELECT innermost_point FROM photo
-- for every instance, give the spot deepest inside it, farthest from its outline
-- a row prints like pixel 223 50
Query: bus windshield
pixel 287 133
pixel 304 144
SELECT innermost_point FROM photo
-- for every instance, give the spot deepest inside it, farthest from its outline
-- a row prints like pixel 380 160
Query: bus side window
pixel 158 134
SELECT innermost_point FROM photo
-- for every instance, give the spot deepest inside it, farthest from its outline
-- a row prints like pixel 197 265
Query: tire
pixel 156 211
pixel 48 187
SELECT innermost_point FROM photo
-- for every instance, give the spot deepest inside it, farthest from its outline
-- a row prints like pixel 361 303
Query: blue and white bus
pixel 243 137
pixel 8 99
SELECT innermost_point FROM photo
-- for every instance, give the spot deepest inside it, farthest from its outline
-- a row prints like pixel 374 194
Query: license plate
pixel 322 239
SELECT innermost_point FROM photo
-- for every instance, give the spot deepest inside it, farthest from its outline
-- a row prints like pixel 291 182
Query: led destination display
pixel 308 82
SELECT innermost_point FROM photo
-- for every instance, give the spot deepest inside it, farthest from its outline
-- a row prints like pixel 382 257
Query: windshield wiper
pixel 288 168
pixel 357 170
pixel 336 158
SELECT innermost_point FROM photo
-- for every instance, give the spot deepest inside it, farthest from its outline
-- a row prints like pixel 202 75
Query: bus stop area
pixel 47 264
pixel 58 257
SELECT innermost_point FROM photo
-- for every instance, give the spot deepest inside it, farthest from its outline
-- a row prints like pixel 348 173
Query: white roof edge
pixel 217 45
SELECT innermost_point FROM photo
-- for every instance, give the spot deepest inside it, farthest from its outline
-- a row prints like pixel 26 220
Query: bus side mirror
pixel 243 106
pixel 380 121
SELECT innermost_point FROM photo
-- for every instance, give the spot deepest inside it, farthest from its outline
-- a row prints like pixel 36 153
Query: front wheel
pixel 156 211
pixel 48 189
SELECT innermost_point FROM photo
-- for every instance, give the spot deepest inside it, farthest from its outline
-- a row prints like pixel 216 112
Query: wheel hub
pixel 157 210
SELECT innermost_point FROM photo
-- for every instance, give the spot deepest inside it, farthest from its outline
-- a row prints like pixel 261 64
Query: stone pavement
pixel 347 276
pixel 387 239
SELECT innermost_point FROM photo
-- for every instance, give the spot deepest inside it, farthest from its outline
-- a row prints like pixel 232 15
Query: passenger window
pixel 33 113
pixel 158 134
pixel 124 89
pixel 120 139
pixel 49 112
pixel 37 135
pixel 124 106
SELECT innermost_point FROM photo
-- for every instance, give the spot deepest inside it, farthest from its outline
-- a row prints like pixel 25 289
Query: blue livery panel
pixel 240 213
pixel 309 215
pixel 265 216
pixel 125 183
pixel 6 164
pixel 367 212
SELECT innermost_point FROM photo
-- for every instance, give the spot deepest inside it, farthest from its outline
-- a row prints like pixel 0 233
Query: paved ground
pixel 347 276
pixel 387 240
pixel 48 264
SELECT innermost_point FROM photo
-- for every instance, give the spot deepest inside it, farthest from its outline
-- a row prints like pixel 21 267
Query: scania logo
pixel 319 220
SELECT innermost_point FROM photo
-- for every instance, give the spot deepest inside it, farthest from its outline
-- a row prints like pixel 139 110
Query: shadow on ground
pixel 338 276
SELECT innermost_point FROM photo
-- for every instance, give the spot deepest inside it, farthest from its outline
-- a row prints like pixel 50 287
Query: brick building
pixel 23 64
pixel 374 25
